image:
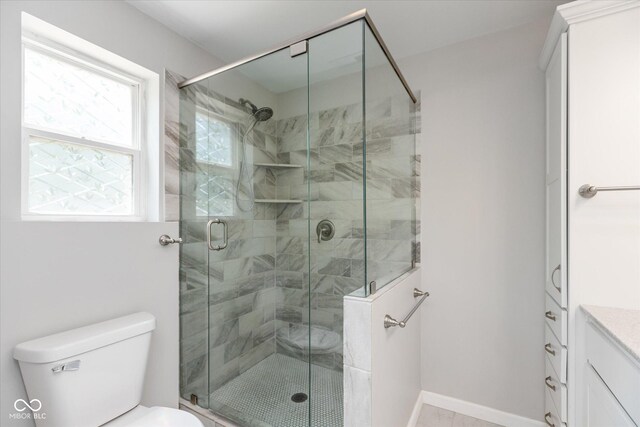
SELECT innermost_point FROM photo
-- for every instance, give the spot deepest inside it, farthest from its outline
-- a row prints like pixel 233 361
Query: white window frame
pixel 137 150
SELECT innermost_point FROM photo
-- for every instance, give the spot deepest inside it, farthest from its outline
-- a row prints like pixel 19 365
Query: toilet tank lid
pixel 81 340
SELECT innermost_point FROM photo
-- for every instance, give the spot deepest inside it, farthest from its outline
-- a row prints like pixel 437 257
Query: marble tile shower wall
pixel 238 305
pixel 336 191
pixel 228 297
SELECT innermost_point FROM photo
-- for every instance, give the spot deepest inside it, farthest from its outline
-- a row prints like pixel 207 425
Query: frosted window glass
pixel 213 140
pixel 214 194
pixel 62 97
pixel 73 179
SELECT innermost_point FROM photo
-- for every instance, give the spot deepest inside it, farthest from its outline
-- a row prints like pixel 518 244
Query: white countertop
pixel 622 325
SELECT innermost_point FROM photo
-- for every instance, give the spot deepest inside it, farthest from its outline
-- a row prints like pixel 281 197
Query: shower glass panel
pixel 391 167
pixel 298 185
pixel 335 193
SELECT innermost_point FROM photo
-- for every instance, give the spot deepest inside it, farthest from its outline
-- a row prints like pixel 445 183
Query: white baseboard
pixel 470 409
pixel 415 414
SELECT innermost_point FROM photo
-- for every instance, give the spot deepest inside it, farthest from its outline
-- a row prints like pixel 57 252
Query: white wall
pixel 58 276
pixel 482 218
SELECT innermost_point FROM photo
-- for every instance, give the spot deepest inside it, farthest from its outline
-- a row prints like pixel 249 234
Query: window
pixel 215 161
pixel 82 138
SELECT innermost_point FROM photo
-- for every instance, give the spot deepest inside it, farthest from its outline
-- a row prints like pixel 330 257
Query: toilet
pixel 94 376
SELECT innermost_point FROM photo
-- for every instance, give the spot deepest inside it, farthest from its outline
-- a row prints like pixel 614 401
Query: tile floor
pixel 431 416
pixel 261 396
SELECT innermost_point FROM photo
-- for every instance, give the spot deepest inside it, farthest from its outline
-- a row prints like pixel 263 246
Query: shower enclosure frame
pixel 301 46
pixel 356 16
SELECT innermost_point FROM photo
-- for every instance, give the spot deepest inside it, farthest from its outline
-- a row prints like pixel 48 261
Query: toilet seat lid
pixel 156 416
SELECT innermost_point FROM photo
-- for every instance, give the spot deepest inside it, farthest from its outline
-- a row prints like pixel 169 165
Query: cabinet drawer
pixel 557 390
pixel 556 319
pixel 556 353
pixel 551 417
pixel 617 370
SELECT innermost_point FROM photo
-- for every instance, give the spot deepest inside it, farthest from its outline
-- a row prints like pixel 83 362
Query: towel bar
pixel 588 191
pixel 390 322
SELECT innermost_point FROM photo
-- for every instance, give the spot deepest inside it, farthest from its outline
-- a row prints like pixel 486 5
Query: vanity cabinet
pixel 591 60
pixel 602 407
pixel 612 382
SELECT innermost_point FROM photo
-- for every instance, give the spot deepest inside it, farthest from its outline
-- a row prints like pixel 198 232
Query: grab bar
pixel 588 191
pixel 390 322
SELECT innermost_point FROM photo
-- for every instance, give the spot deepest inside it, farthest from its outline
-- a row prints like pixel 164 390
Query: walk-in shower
pixel 299 178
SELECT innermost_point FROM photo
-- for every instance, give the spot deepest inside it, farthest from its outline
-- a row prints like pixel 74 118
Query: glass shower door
pixel 245 163
pixel 336 207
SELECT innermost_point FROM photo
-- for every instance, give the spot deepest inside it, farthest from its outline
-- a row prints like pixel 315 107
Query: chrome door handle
pixel 548 414
pixel 165 240
pixel 553 281
pixel 549 349
pixel 547 382
pixel 550 315
pixel 225 231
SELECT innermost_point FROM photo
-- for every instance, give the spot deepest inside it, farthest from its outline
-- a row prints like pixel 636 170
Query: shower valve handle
pixel 325 230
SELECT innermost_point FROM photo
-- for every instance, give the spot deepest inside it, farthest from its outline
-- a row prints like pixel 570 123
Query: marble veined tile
pixel 432 416
pixel 357 339
pixel 357 397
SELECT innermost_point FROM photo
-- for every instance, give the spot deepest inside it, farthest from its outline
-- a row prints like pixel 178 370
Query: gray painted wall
pixel 483 181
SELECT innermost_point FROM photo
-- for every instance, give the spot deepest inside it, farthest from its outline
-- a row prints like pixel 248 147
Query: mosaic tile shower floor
pixel 261 396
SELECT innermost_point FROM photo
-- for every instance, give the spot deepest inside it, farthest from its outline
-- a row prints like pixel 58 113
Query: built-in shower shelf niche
pixel 277 165
pixel 277 201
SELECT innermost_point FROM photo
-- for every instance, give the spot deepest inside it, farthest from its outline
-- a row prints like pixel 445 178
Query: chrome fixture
pixel 225 231
pixel 298 48
pixel 548 414
pixel 245 174
pixel 373 287
pixel 549 349
pixel 588 191
pixel 558 268
pixel 165 240
pixel 550 315
pixel 361 14
pixel 547 381
pixel 390 322
pixel 69 366
pixel 325 230
pixel 259 114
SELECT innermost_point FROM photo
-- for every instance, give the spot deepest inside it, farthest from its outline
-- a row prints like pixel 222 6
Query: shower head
pixel 263 114
pixel 260 114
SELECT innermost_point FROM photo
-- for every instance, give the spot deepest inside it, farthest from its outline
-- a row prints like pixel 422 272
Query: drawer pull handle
pixel 549 349
pixel 548 414
pixel 547 381
pixel 552 276
pixel 550 315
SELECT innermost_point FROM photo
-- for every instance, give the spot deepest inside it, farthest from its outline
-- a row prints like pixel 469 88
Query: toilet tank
pixel 87 376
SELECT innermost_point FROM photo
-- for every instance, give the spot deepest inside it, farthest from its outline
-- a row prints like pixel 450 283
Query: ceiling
pixel 231 30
